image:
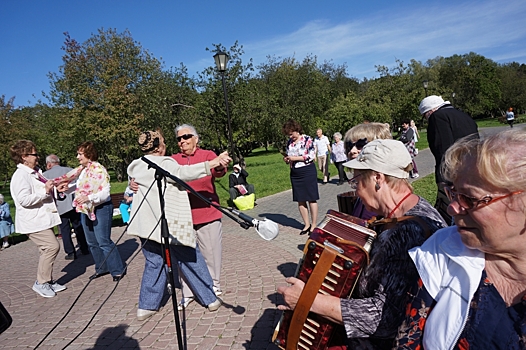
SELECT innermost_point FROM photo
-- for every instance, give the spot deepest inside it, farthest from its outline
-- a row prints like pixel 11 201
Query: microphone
pixel 266 229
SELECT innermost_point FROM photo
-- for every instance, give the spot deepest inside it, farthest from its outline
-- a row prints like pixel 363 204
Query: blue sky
pixel 361 34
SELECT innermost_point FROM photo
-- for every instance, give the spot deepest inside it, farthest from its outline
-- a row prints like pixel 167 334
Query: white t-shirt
pixel 321 145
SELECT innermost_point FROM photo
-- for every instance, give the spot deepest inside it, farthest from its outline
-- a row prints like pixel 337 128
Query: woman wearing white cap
pixel 373 313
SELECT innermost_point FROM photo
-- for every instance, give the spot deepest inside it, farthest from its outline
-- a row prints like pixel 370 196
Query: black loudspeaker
pixel 5 319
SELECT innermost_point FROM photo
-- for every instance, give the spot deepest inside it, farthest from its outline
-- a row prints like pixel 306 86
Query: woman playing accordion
pixel 375 309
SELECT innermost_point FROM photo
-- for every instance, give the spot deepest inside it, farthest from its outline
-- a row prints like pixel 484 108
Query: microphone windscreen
pixel 267 229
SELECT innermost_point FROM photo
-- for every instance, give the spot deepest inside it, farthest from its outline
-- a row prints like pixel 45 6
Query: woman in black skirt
pixel 300 157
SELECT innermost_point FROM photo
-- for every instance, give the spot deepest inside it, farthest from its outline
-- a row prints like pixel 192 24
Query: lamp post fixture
pixel 426 84
pixel 453 96
pixel 221 60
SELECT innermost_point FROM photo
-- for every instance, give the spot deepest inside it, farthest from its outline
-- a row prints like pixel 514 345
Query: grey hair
pixel 1 198
pixel 337 134
pixel 52 158
pixel 187 126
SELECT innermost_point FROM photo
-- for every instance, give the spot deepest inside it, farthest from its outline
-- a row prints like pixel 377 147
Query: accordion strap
pixel 390 222
pixel 308 295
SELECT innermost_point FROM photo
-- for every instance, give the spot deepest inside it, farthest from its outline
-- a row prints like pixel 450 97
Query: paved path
pixel 252 268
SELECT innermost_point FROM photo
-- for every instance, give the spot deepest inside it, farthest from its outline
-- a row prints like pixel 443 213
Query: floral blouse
pixel 93 181
pixel 304 147
pixel 490 324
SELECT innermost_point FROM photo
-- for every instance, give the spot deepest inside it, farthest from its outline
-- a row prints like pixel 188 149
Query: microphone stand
pixel 167 255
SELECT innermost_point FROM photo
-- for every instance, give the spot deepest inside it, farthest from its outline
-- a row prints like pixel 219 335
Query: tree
pixel 97 88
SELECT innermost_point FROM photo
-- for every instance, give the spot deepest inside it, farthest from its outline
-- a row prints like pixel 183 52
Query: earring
pixel 377 187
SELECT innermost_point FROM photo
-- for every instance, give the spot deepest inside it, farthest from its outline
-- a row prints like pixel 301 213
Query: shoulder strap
pixel 390 222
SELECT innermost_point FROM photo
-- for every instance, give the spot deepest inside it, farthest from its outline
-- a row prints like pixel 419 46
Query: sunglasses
pixel 468 203
pixel 184 137
pixel 32 154
pixel 358 144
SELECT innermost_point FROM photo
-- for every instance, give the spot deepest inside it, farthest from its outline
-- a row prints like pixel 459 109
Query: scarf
pixel 94 180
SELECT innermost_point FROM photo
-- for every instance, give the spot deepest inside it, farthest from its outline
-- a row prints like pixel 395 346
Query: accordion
pixel 333 258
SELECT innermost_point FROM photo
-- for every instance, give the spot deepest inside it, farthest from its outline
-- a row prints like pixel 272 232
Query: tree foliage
pixel 109 88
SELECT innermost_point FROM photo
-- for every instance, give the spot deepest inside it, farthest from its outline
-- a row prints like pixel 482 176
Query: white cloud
pixel 494 29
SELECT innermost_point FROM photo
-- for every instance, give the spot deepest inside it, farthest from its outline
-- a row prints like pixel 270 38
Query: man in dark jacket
pixel 446 124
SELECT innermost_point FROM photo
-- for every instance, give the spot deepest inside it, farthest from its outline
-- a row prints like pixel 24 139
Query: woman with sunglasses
pixel 36 213
pixel 375 310
pixel 472 288
pixel 355 139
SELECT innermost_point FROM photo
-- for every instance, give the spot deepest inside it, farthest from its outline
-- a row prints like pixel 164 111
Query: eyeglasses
pixel 469 203
pixel 32 154
pixel 184 137
pixel 358 144
pixel 353 182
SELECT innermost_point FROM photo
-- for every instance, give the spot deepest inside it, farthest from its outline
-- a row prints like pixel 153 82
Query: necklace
pixel 398 205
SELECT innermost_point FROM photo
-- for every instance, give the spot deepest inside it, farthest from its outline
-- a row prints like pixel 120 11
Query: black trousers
pixel 72 219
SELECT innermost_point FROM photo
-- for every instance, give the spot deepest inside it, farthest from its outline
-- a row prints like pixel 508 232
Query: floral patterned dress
pixel 490 324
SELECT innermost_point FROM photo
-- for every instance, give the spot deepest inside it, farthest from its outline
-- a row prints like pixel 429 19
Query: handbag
pixel 245 202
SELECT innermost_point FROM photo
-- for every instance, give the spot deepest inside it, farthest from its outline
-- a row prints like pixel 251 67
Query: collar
pixel 26 168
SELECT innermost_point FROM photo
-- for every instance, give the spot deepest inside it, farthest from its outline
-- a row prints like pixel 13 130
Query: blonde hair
pixel 369 131
pixel 500 159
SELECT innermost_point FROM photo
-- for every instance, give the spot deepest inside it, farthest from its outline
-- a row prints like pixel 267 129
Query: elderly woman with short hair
pixel 472 288
pixel 36 213
pixel 339 157
pixel 374 311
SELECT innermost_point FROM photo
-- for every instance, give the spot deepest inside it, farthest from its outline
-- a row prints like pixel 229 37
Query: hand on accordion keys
pixel 327 306
pixel 291 293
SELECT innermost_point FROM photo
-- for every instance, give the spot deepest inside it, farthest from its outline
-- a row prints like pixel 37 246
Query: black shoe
pixel 305 231
pixel 71 256
pixel 119 277
pixel 85 252
pixel 97 275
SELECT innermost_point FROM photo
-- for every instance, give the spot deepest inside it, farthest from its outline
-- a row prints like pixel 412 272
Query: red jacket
pixel 201 212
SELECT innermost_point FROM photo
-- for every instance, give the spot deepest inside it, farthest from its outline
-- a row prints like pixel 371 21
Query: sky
pixel 360 34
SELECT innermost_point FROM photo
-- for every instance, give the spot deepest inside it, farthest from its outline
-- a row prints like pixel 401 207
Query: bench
pixel 116 199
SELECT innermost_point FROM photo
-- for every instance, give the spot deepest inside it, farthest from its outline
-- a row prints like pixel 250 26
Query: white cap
pixel 431 102
pixel 389 157
pixel 238 167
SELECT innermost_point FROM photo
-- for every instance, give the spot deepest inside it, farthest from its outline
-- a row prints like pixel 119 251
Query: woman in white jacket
pixel 472 288
pixel 36 213
pixel 145 216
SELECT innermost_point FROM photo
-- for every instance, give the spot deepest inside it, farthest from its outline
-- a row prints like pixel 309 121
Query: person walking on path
pixel 510 117
pixel 322 148
pixel 68 216
pixel 206 219
pixel 408 139
pixel 338 157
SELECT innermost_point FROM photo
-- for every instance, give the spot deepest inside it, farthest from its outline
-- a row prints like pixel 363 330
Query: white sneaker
pixel 415 176
pixel 44 289
pixel 57 287
pixel 183 304
pixel 5 245
pixel 144 314
pixel 217 291
pixel 215 305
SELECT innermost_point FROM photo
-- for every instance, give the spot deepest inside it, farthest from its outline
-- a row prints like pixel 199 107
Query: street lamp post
pixel 453 95
pixel 221 60
pixel 426 84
